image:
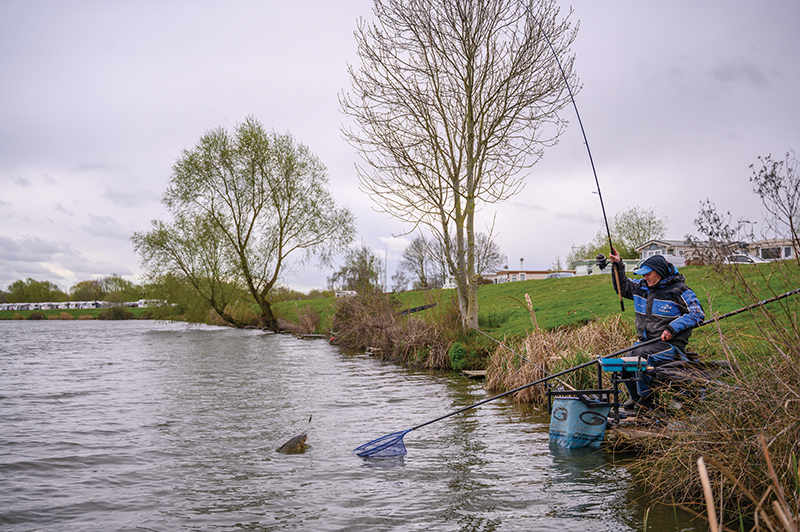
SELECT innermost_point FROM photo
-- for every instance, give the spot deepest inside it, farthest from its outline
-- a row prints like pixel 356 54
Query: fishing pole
pixel 585 141
pixel 498 342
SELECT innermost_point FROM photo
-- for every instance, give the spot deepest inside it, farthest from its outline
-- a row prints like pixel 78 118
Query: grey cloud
pixel 739 71
pixel 22 182
pixel 106 227
pixel 28 256
pixel 29 270
pixel 129 199
pixel 81 268
pixel 63 210
pixel 31 248
pixel 526 206
pixel 578 216
pixel 90 166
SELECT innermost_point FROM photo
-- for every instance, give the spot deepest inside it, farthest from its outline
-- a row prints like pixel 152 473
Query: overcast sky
pixel 98 98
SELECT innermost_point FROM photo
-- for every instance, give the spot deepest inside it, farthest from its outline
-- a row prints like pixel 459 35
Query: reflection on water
pixel 153 426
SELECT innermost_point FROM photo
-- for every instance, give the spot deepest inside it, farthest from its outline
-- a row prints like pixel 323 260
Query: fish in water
pixel 296 445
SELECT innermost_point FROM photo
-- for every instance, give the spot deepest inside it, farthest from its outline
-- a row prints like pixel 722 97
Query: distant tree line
pixel 109 288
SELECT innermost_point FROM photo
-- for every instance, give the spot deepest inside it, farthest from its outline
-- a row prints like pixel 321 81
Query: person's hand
pixel 666 336
pixel 614 256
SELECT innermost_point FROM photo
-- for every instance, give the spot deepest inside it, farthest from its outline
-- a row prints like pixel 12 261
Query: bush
pixel 115 313
pixel 36 316
pixel 458 356
pixel 309 321
pixel 372 322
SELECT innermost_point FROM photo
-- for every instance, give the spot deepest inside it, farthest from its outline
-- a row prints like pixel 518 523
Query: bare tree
pixel 778 185
pixel 452 100
pixel 487 258
pixel 418 259
pixel 399 281
pixel 487 254
pixel 557 265
pixel 718 234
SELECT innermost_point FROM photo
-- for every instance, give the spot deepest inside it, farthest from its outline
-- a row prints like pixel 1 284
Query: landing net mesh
pixel 384 447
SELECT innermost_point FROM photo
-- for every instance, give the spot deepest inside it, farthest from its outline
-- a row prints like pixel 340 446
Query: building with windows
pixel 677 248
pixel 510 276
pixel 589 266
pixel 769 249
pixel 773 249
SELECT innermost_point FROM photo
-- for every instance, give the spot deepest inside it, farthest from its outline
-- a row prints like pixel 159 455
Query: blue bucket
pixel 573 424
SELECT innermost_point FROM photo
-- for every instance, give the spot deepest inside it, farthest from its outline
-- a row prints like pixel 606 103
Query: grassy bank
pixel 572 302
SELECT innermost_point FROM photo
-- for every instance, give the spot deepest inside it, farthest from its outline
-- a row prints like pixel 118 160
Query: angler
pixel 666 312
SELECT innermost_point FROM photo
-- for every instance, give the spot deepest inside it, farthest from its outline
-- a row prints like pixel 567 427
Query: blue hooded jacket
pixel 669 305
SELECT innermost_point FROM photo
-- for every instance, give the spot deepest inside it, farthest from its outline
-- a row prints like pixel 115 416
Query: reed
pixel 775 510
pixel 550 351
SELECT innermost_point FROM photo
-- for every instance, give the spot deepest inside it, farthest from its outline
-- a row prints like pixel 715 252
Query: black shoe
pixel 630 404
pixel 645 404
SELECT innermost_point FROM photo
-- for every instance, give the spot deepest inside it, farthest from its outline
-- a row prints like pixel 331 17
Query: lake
pixel 145 425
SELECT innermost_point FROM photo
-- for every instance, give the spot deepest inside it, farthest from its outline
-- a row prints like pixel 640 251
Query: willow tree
pixel 247 207
pixel 452 100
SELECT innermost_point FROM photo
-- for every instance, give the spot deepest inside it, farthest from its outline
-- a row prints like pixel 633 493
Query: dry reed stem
pixel 787 522
pixel 712 514
pixel 545 350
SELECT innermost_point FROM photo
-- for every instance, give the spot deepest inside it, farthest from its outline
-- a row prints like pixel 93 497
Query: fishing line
pixel 585 140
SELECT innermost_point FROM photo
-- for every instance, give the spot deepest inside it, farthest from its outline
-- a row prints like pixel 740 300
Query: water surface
pixel 144 425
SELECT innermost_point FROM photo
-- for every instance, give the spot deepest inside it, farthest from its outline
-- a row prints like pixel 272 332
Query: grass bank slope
pixel 571 302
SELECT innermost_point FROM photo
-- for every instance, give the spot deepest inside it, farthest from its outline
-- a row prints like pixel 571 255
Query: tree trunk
pixel 268 319
pixel 470 317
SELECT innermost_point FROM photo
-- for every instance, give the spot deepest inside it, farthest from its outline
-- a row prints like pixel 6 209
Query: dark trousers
pixel 656 354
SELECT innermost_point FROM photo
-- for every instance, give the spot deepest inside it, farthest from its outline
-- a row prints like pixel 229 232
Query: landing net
pixel 384 447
